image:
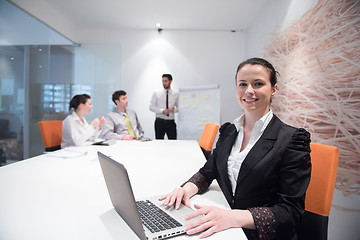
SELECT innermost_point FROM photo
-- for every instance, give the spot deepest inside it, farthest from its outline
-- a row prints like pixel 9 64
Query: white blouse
pixel 75 132
pixel 236 157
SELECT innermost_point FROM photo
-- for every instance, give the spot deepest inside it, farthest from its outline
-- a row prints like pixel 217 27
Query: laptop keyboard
pixel 154 218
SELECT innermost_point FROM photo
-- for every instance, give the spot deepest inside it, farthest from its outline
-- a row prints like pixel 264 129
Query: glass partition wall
pixel 50 80
pixel 40 71
pixel 36 81
pixel 12 102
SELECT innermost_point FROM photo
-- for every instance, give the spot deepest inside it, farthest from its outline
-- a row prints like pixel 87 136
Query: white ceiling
pixel 216 15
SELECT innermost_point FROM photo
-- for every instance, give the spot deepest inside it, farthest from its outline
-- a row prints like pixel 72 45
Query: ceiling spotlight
pixel 158 26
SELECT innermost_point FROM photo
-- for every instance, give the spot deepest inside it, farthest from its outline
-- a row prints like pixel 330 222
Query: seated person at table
pixel 262 166
pixel 122 123
pixel 75 129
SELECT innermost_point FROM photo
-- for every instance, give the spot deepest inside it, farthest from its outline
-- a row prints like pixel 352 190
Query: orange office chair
pixel 51 132
pixel 324 161
pixel 207 138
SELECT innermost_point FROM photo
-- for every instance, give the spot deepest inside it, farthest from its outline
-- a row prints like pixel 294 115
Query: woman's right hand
pixel 101 121
pixel 180 195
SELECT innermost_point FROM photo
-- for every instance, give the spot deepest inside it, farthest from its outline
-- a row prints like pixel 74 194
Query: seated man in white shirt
pixel 122 123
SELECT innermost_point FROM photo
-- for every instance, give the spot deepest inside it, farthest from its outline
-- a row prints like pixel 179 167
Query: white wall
pixel 139 58
pixel 274 17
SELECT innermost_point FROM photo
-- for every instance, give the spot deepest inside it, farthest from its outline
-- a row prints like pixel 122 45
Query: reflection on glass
pixel 11 101
pixel 56 97
pixel 31 60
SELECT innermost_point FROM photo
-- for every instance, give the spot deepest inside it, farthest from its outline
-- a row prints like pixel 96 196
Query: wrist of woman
pixel 190 188
pixel 243 219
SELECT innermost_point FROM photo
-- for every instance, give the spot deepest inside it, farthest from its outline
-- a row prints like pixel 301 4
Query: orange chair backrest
pixel 51 132
pixel 208 136
pixel 324 161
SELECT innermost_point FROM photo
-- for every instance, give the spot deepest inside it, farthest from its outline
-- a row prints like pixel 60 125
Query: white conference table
pixel 49 197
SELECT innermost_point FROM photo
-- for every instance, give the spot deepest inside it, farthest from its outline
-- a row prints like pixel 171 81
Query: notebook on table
pixel 140 215
pixel 104 142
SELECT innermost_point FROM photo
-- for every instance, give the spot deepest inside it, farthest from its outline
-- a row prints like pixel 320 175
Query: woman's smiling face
pixel 253 89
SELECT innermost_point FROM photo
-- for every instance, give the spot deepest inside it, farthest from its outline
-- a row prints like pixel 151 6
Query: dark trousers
pixel 163 126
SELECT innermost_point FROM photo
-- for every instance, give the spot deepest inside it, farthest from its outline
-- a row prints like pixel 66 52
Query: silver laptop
pixel 139 215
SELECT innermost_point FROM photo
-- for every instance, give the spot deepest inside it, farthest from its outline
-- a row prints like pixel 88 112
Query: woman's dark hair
pixel 116 95
pixel 77 100
pixel 262 62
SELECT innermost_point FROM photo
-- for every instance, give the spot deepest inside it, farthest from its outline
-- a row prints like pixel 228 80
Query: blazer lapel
pixel 225 152
pixel 261 148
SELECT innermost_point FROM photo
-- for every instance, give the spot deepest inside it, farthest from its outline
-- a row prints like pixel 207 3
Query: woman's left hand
pixel 217 219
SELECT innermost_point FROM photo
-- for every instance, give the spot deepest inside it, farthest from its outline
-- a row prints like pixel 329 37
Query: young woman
pixel 261 164
pixel 76 130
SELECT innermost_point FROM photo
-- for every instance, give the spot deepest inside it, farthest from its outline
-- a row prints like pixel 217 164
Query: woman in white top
pixel 75 129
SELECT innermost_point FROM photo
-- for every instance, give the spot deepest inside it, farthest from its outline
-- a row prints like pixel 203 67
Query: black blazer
pixel 272 180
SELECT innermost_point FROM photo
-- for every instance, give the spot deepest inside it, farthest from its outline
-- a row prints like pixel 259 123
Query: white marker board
pixel 197 106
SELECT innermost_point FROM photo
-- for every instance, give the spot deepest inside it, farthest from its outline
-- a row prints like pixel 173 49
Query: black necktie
pixel 167 100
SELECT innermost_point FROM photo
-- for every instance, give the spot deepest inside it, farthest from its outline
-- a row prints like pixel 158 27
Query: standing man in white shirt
pixel 165 104
pixel 122 123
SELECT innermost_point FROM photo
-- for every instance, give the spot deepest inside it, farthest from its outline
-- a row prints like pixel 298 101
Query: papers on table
pixel 67 153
